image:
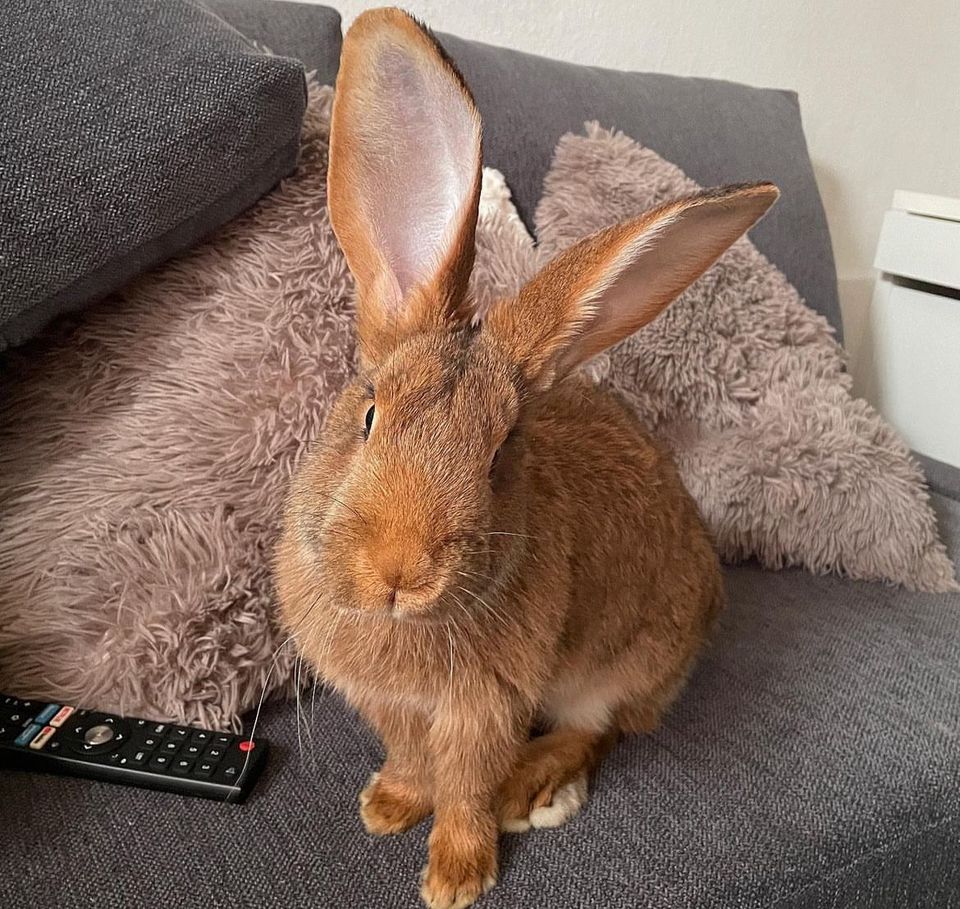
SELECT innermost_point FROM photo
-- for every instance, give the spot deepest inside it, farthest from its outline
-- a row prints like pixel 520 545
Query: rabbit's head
pixel 418 486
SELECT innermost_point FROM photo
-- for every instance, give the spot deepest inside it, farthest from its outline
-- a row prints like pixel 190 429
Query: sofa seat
pixel 813 761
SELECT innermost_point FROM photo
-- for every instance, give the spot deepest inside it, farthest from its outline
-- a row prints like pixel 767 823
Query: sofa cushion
pixel 812 762
pixel 717 132
pixel 127 135
pixel 306 31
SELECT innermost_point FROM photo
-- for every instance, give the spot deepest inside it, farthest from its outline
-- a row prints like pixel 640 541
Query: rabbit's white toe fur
pixel 566 803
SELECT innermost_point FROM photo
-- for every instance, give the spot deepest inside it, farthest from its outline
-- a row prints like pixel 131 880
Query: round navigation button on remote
pixel 98 735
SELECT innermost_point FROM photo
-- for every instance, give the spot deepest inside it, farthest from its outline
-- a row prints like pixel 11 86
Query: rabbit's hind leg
pixel 548 785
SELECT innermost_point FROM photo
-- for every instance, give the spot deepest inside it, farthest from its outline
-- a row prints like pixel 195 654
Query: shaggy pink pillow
pixel 145 454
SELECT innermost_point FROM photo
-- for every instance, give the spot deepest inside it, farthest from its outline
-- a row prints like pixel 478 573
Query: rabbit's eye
pixel 368 421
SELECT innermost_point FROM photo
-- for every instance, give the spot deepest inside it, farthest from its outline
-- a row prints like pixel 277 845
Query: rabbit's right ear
pixel 404 178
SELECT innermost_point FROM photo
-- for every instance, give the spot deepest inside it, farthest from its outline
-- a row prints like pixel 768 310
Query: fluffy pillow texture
pixel 145 450
pixel 748 388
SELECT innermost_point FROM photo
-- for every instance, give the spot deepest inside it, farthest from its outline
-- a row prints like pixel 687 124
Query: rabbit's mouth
pixel 432 614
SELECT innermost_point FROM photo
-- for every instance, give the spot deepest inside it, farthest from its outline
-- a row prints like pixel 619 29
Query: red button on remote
pixel 246 746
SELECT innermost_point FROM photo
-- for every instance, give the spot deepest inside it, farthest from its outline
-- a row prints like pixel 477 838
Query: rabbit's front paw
pixel 388 805
pixel 461 869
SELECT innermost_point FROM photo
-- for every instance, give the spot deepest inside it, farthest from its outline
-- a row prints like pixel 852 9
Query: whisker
pixel 501 618
pixel 299 665
pixel 463 608
pixel 478 574
pixel 450 683
pixel 263 691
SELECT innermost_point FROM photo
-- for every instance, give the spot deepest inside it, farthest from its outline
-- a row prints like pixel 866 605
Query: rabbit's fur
pixel 482 542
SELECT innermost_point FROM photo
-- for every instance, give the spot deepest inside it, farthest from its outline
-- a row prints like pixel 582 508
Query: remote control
pixel 59 738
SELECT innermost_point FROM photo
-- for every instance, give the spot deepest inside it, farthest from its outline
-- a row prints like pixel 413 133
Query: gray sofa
pixel 813 761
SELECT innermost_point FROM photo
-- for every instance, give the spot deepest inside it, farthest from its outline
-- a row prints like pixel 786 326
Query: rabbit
pixel 482 543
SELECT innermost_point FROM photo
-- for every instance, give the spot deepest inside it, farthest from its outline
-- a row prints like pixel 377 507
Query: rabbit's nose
pixel 398 568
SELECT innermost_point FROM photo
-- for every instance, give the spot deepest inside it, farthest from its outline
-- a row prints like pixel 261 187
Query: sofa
pixel 813 760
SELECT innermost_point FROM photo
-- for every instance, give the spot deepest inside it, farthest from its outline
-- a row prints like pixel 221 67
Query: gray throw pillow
pixel 306 31
pixel 129 132
pixel 717 132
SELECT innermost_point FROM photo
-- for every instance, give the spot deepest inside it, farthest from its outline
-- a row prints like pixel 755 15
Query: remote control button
pixel 138 758
pixel 247 745
pixel 222 739
pixel 18 717
pixel 61 716
pixel 43 738
pixel 47 714
pixel 99 735
pixel 213 753
pixel 160 761
pixel 54 745
pixel 8 733
pixel 27 735
pixel 204 770
pixel 170 747
pixel 158 728
pixel 201 736
pixel 231 774
pixel 182 766
pixel 193 750
pixel 179 733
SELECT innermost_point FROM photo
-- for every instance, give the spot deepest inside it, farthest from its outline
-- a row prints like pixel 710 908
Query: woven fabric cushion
pixel 306 31
pixel 129 132
pixel 812 763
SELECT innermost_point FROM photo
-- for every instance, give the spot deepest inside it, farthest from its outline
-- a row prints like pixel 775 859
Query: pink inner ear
pixel 665 256
pixel 419 157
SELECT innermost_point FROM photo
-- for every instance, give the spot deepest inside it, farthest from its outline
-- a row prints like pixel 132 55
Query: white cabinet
pixel 915 323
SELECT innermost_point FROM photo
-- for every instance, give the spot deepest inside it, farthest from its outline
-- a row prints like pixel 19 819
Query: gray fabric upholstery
pixel 942 478
pixel 308 32
pixel 717 132
pixel 811 763
pixel 129 131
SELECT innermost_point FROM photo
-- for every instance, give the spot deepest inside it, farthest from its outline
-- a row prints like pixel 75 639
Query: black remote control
pixel 59 738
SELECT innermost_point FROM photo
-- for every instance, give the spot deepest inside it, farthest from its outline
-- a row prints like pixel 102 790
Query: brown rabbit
pixel 482 541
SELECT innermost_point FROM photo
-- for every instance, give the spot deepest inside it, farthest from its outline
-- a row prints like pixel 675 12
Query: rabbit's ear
pixel 609 285
pixel 404 178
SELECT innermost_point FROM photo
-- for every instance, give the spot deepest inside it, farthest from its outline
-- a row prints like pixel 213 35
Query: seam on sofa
pixel 864 857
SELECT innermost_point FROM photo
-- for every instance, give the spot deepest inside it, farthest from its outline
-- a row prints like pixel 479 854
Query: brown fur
pixel 507 547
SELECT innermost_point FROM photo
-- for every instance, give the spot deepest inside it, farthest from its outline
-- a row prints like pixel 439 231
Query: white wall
pixel 879 85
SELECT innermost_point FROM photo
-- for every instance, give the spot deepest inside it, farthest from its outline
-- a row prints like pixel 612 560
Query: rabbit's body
pixel 482 542
pixel 585 638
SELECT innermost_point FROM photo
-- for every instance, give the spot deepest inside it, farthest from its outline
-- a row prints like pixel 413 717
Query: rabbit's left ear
pixel 404 178
pixel 606 287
